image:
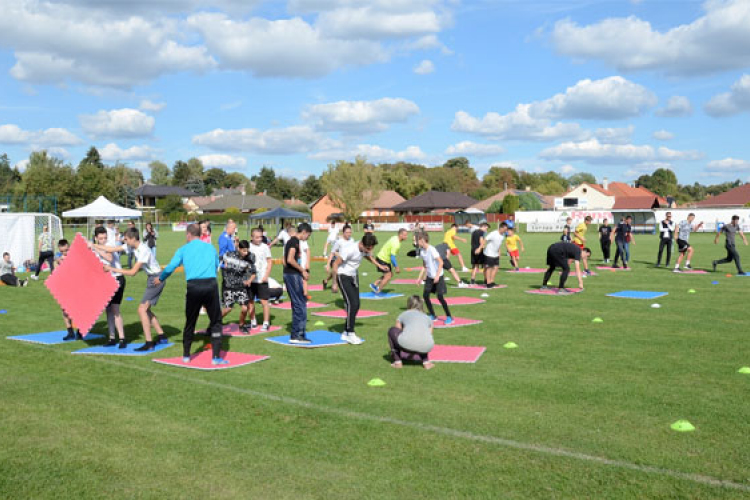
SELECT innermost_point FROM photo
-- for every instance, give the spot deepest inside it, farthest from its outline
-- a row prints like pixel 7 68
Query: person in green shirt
pixel 387 259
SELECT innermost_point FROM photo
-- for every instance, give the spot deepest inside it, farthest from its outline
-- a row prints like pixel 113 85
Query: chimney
pixel 605 184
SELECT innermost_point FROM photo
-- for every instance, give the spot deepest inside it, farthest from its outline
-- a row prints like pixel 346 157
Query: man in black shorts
pixel 559 255
pixel 477 256
pixel 259 288
pixel 239 270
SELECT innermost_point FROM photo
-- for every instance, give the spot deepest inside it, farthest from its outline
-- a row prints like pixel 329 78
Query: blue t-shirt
pixel 197 257
pixel 226 244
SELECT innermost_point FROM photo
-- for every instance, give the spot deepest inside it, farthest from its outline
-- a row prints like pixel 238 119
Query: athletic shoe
pixel 676 270
pixel 588 273
pixel 624 266
pixel 344 336
pixel 265 327
pixel 374 288
pixel 122 345
pixel 299 340
pixel 78 335
pixel 161 339
pixel 461 284
pixel 111 343
pixel 432 318
pixel 25 282
pixel 35 278
pixel 491 285
pixel 688 266
pixel 148 346
pixel 70 336
pixel 219 361
pixel 657 265
pixel 186 359
pixel 473 282
pixel 244 329
pixel 563 291
pixel 325 284
pixel 448 320
pixel 353 339
pixel 615 266
pixel 544 287
pixel 253 325
pixel 465 270
pixel 713 264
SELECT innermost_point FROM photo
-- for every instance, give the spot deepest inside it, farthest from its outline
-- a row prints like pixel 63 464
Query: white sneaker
pixel 353 339
pixel 253 325
pixel 463 285
pixel 345 337
pixel 265 327
pixel 676 270
pixel 35 278
pixel 465 270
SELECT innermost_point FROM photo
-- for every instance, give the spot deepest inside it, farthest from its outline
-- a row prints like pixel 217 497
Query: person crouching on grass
pixel 144 260
pixel 411 337
pixel 561 254
pixel 239 271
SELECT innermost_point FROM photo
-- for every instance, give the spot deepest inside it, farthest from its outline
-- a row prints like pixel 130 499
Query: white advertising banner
pixel 713 218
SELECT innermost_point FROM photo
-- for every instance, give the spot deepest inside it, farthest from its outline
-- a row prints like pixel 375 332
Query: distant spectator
pixel 150 237
pixel 8 272
pixel 205 231
pixel 45 252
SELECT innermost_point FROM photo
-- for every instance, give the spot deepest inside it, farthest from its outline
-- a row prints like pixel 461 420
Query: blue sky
pixel 615 88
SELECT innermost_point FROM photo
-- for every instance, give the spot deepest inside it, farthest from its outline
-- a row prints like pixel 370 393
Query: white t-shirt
pixel 352 258
pixel 303 247
pixel 430 258
pixel 112 260
pixel 493 242
pixel 272 283
pixel 284 236
pixel 261 253
pixel 145 257
pixel 333 232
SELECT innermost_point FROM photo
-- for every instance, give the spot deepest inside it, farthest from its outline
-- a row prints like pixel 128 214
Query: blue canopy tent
pixel 277 215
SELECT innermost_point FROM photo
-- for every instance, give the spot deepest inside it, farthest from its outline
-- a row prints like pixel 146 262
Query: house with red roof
pixel 617 196
pixel 734 198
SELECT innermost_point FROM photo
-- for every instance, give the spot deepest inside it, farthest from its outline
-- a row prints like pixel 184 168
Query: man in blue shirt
pixel 226 240
pixel 200 262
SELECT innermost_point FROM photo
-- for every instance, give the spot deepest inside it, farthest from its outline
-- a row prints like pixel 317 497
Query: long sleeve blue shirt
pixel 199 259
pixel 226 244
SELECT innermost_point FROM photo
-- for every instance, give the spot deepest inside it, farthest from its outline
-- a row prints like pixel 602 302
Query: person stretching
pixel 411 337
pixel 435 282
pixel 561 254
pixel 345 239
pixel 345 269
pixel 450 239
pixel 45 252
pixel 200 261
pixel 387 257
pixel 683 246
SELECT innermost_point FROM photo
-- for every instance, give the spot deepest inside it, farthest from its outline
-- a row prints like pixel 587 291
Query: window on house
pixel 570 202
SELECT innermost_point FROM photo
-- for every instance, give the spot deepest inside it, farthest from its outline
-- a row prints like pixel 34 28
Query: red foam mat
pixel 288 305
pixel 459 301
pixel 456 353
pixel 340 313
pixel 202 360
pixel 233 330
pixel 552 291
pixel 457 322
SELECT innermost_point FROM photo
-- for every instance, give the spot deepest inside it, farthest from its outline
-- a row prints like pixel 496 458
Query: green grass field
pixel 579 410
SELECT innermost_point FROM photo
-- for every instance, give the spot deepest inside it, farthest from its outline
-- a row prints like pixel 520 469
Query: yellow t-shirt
pixel 449 235
pixel 580 232
pixel 511 242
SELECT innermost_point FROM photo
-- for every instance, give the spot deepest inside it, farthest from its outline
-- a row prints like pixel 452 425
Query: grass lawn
pixel 579 410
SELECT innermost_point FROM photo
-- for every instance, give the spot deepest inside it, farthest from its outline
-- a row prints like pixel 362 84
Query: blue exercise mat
pixel 319 338
pixel 744 275
pixel 50 338
pixel 637 294
pixel 116 351
pixel 379 296
pixel 3 311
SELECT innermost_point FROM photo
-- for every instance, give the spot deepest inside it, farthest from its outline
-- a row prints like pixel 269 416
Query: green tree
pixel 265 181
pixel 49 176
pixel 529 202
pixel 495 208
pixel 170 204
pixel 286 188
pixel 416 186
pixel 196 169
pixel 160 174
pixel 510 204
pixel 196 185
pixel 214 178
pixel 352 187
pixel 9 177
pixel 581 178
pixel 93 182
pixel 460 162
pixel 235 179
pixel 499 178
pixel 662 182
pixel 550 188
pixel 92 158
pixel 180 173
pixel 311 189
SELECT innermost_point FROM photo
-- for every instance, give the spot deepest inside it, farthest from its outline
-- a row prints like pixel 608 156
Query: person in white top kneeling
pixel 411 338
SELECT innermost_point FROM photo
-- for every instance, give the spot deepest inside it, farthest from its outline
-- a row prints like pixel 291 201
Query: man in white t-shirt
pixel 259 287
pixel 283 236
pixel 144 260
pixel 333 233
pixel 434 282
pixel 490 246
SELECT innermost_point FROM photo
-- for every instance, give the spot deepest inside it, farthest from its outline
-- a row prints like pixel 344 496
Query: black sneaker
pixel 148 346
pixel 244 329
pixel 713 264
pixel 70 336
pixel 544 287
pixel 78 335
pixel 304 340
pixel 624 266
pixel 657 265
pixel 688 266
pixel 473 282
pixel 112 342
pixel 162 339
pixel 123 344
pixel 615 266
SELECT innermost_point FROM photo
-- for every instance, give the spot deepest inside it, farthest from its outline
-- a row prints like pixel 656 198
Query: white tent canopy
pixel 102 208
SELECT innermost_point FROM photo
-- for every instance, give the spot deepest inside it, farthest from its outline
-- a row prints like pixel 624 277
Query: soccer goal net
pixel 19 235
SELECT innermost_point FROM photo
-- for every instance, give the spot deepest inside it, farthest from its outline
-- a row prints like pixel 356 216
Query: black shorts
pixel 383 263
pixel 117 298
pixel 682 246
pixel 258 291
pixel 447 264
pixel 232 296
pixel 438 287
pixel 477 260
pixel 490 262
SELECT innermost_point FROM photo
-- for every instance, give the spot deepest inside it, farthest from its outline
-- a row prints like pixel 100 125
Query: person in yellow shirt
pixel 449 239
pixel 579 238
pixel 512 240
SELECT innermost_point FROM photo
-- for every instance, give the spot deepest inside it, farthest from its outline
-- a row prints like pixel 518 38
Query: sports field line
pixel 435 429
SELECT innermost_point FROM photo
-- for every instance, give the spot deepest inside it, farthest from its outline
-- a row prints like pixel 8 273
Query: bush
pixel 510 204
pixel 301 208
pixel 232 211
pixel 495 208
pixel 529 202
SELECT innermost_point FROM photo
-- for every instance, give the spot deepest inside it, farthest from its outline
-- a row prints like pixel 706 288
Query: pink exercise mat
pixel 575 274
pixel 420 268
pixel 233 330
pixel 459 301
pixel 340 313
pixel 692 271
pixel 479 287
pixel 533 270
pixel 288 305
pixel 202 360
pixel 607 268
pixel 404 282
pixel 315 288
pixel 553 291
pixel 457 322
pixel 455 353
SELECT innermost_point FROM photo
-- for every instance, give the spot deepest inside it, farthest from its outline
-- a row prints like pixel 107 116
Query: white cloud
pixel 112 152
pixel 717 41
pixel 737 100
pixel 21 165
pixel 663 135
pixel 281 141
pixel 468 148
pixel 614 135
pixel 729 165
pixel 595 152
pixel 567 169
pixel 676 107
pixel 148 105
pixel 95 48
pixel 124 122
pixel 360 117
pixel 374 22
pixel 13 134
pixel 281 48
pixel 219 160
pixel 424 68
pixel 372 152
pixel 607 99
pixel 646 167
pixel 60 153
pixel 516 125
